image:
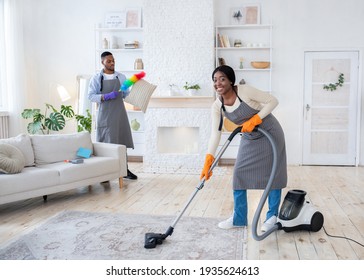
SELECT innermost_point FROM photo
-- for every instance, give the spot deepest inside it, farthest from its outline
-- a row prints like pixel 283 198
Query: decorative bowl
pixel 260 64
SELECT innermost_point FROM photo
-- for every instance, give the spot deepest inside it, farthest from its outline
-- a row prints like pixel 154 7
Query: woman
pixel 249 107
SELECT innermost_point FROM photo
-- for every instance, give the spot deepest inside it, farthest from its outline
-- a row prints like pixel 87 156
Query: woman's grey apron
pixel 112 120
pixel 254 160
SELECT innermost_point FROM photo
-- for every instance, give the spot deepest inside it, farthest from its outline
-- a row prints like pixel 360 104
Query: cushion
pixel 23 143
pixel 92 167
pixel 140 94
pixel 11 159
pixel 28 181
pixel 59 147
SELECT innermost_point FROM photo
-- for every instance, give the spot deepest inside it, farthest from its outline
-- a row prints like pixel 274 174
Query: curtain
pixel 12 64
pixel 3 102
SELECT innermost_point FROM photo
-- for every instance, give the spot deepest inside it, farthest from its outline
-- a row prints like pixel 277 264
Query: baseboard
pixel 135 158
pixel 227 161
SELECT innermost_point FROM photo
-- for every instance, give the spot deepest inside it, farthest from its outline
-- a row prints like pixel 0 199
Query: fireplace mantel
pixel 181 101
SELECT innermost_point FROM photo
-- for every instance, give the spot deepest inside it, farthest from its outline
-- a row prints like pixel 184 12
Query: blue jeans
pixel 241 206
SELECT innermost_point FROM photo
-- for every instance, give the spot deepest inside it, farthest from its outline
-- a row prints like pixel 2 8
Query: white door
pixel 330 115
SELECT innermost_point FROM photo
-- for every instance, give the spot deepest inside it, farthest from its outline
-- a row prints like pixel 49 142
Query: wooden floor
pixel 338 192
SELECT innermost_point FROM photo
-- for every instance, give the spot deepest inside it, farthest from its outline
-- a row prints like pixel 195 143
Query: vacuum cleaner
pixel 295 213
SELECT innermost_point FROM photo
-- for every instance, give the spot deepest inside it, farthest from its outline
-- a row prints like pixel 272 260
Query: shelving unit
pixel 138 133
pixel 116 38
pixel 256 45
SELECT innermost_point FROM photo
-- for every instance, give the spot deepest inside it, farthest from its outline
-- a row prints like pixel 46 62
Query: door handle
pixel 307 109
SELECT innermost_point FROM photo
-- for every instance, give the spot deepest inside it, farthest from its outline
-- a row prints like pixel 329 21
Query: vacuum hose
pixel 266 191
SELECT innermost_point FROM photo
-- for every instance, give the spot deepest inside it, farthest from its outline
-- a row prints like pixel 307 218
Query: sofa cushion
pixel 91 167
pixel 59 147
pixel 31 178
pixel 11 159
pixel 23 143
pixel 140 94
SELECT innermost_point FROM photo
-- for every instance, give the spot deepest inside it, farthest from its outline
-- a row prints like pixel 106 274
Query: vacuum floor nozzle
pixel 152 239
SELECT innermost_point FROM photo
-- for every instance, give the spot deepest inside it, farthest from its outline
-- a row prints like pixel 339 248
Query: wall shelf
pixel 256 45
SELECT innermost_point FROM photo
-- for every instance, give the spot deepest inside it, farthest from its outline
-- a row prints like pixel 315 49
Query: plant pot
pixel 192 92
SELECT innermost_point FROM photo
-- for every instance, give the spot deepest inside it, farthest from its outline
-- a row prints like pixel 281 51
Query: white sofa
pixel 46 171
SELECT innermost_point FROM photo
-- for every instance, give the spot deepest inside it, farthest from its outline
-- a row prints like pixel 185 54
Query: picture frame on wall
pixel 236 16
pixel 133 18
pixel 115 20
pixel 251 14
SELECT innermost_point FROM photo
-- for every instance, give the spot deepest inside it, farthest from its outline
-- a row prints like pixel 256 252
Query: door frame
pixel 358 97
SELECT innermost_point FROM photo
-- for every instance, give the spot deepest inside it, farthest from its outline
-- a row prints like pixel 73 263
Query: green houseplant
pixel 84 122
pixel 188 86
pixel 54 120
pixel 191 88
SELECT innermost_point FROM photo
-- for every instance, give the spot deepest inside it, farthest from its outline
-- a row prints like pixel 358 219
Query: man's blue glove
pixel 111 95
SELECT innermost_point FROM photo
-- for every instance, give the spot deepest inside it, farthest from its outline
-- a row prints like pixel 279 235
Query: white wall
pixel 299 26
pixel 179 43
pixel 59 43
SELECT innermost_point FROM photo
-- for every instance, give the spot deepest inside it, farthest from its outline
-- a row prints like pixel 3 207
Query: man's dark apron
pixel 112 120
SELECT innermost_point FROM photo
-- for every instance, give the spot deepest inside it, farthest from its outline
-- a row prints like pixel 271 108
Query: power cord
pixel 347 238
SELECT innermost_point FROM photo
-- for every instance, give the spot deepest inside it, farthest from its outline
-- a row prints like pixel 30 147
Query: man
pixel 112 119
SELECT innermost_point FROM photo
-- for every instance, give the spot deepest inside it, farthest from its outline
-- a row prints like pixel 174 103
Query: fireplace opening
pixel 177 140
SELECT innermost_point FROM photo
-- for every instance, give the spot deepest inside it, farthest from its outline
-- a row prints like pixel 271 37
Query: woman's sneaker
pixel 228 224
pixel 268 224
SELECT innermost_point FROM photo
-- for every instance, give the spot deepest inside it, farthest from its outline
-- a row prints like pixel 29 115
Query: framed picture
pixel 236 16
pixel 251 14
pixel 133 17
pixel 115 20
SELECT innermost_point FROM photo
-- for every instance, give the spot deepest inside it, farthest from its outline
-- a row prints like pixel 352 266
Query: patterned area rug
pixel 73 235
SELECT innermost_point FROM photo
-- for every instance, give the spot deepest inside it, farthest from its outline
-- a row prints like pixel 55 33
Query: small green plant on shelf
pixel 188 86
pixel 339 83
pixel 55 120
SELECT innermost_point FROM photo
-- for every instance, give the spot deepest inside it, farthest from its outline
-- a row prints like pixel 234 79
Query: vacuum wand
pixel 152 239
pixel 202 183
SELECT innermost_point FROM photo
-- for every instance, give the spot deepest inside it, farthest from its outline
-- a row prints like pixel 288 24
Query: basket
pixel 260 64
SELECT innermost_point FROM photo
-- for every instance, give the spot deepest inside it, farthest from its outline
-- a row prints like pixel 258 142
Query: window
pixel 2 58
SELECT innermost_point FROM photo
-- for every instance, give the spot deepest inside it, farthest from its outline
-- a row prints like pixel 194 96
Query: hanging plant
pixel 339 83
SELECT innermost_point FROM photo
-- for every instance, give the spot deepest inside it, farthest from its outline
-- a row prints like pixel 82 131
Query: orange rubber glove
pixel 208 162
pixel 249 125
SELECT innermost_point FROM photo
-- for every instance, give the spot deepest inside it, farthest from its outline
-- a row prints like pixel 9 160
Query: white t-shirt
pixel 109 76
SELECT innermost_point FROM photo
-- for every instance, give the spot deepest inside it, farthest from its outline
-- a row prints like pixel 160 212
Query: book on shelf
pixel 220 41
pixel 223 41
pixel 226 41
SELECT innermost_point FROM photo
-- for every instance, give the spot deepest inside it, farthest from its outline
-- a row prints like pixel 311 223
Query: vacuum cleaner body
pixel 295 213
pixel 298 214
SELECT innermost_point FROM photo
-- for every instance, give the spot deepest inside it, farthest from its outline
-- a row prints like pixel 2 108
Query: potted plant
pixel 191 88
pixel 55 120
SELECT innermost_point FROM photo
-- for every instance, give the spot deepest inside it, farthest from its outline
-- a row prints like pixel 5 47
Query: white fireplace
pixel 177 140
pixel 176 134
